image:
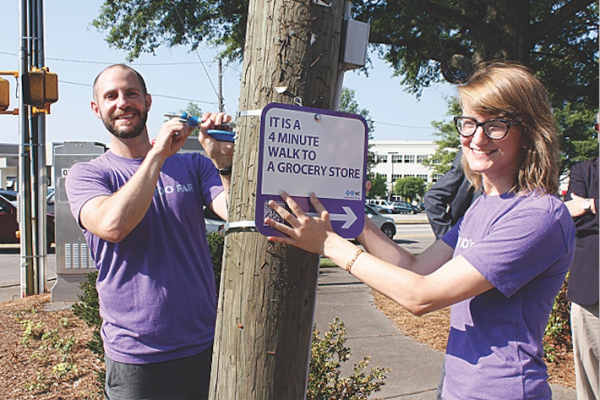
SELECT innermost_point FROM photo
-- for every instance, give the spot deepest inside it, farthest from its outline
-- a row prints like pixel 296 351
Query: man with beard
pixel 140 206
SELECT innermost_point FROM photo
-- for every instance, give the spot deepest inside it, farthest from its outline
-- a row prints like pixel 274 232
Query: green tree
pixel 348 104
pixel 429 39
pixel 378 186
pixel 449 142
pixel 195 110
pixel 579 139
pixel 410 188
pixel 142 26
pixel 424 41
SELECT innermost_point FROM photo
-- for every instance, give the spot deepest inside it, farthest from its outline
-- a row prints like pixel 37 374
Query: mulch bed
pixel 44 354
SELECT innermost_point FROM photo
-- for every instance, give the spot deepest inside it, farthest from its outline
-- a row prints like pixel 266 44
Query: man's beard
pixel 126 131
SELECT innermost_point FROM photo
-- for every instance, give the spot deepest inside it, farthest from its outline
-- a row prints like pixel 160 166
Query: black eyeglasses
pixel 495 129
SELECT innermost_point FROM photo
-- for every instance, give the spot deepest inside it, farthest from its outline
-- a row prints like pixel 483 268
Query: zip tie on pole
pixel 250 113
pixel 31 257
pixel 240 226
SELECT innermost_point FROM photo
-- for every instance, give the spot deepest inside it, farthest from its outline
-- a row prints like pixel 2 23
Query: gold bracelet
pixel 350 262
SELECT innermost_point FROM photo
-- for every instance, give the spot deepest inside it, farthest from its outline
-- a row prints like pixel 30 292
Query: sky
pixel 77 52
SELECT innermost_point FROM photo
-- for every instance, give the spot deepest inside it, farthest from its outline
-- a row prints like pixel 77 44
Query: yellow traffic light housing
pixel 40 87
pixel 4 94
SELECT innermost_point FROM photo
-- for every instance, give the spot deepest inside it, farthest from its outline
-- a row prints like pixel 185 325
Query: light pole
pixel 391 156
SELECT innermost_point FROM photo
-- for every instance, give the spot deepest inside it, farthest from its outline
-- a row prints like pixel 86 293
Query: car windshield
pixel 369 210
pixel 9 195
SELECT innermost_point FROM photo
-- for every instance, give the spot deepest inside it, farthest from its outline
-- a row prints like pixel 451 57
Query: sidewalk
pixel 415 367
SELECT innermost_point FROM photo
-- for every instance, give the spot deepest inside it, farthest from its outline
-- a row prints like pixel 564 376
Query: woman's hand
pixel 306 232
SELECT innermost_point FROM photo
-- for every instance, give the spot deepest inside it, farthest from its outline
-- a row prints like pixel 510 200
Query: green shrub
pixel 557 336
pixel 215 245
pixel 88 310
pixel 326 356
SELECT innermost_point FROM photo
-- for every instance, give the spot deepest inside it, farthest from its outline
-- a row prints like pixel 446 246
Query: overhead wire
pixel 201 62
pixel 153 94
pixel 200 59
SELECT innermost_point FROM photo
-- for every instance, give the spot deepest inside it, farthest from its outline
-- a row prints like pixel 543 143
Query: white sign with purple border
pixel 304 150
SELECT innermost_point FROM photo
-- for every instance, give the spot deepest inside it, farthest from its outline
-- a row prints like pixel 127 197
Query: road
pixel 10 261
pixel 412 235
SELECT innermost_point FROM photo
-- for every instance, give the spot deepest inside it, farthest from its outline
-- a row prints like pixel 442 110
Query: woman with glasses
pixel 501 266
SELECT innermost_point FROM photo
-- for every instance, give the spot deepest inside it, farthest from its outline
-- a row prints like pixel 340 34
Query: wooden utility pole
pixel 267 294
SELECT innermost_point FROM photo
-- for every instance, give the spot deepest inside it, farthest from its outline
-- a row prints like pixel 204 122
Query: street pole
pixel 391 193
pixel 38 168
pixel 32 158
pixel 267 294
pixel 220 86
pixel 26 265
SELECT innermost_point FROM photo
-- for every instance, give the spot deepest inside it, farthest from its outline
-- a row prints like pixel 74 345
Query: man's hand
pixel 221 153
pixel 575 206
pixel 171 138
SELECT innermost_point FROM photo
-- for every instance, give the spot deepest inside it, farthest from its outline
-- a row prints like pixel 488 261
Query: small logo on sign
pixel 352 194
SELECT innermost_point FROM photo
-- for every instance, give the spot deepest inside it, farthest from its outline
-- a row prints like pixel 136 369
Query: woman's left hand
pixel 306 232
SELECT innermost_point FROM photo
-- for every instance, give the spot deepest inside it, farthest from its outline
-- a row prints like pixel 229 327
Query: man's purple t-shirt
pixel 524 246
pixel 157 286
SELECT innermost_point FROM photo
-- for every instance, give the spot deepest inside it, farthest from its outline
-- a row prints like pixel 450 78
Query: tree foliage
pixel 449 142
pixel 410 188
pixel 141 26
pixel 424 41
pixel 429 39
pixel 378 186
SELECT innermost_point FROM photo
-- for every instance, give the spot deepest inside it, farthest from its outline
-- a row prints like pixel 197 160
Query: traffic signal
pixel 4 94
pixel 40 87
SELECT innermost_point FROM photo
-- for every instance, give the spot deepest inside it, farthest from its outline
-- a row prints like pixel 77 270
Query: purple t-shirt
pixel 157 286
pixel 524 246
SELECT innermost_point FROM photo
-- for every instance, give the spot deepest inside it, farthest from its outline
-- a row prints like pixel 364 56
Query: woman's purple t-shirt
pixel 524 246
pixel 156 287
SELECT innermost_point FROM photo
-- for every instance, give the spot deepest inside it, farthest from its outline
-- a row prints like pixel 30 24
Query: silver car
pixel 386 224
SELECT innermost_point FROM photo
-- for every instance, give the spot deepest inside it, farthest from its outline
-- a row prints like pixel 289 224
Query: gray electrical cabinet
pixel 73 259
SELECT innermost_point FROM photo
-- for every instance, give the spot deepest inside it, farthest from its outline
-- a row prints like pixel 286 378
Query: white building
pixel 403 158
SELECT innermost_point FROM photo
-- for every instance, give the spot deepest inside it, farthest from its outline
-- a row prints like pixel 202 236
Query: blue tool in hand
pixel 218 134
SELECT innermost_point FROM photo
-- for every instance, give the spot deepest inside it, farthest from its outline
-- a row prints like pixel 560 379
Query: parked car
pixel 11 196
pixel 403 207
pixel 386 224
pixel 383 206
pixel 9 227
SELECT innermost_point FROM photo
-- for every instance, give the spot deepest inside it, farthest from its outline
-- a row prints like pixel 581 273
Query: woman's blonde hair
pixel 510 91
